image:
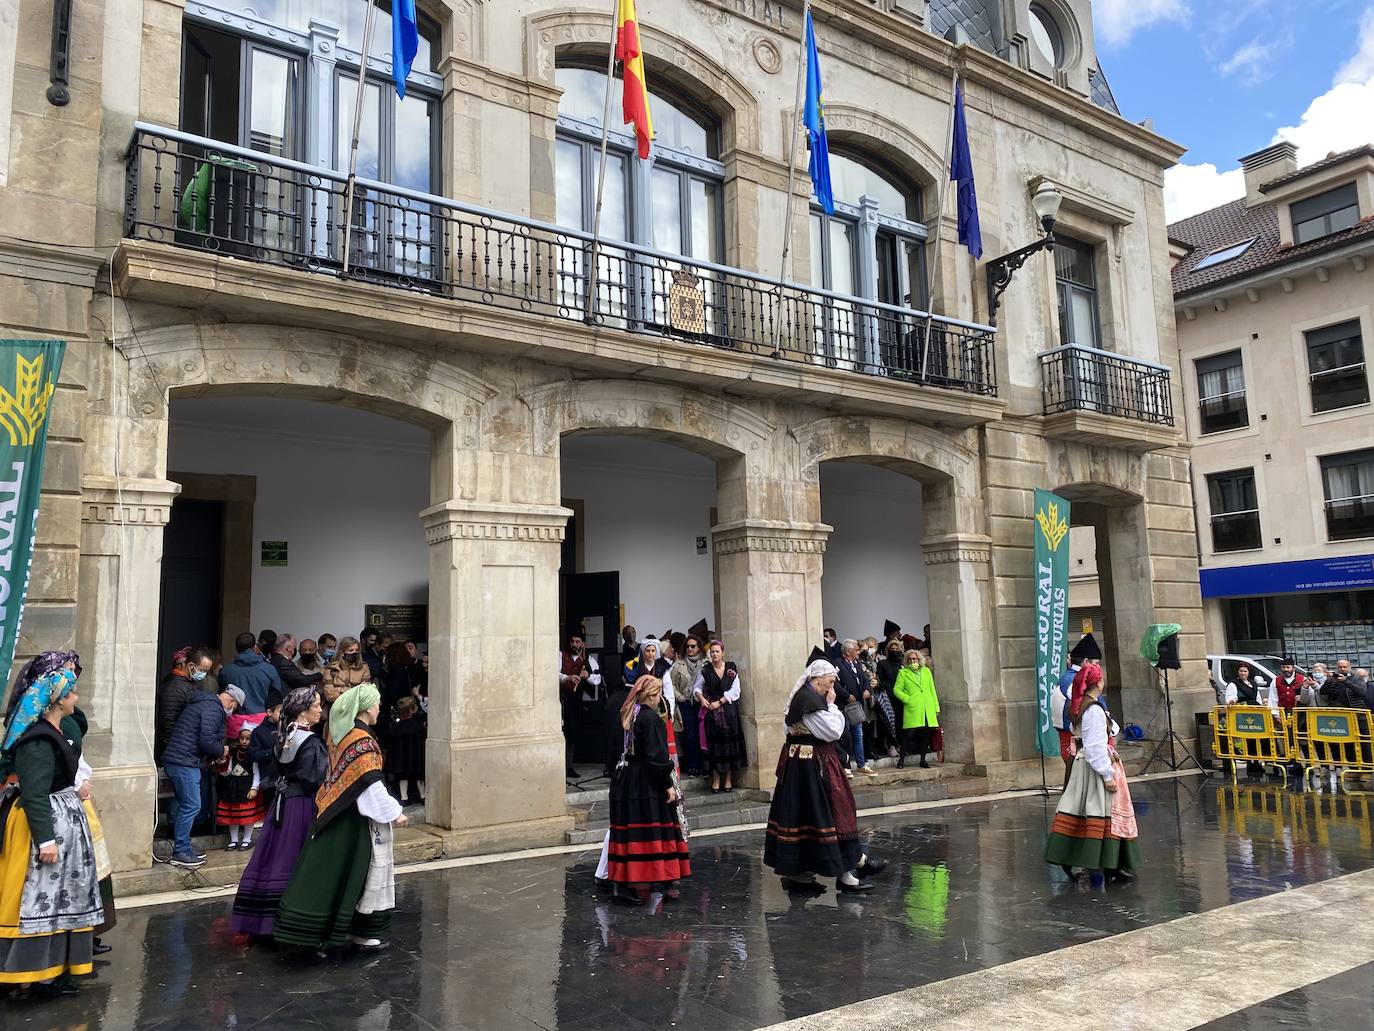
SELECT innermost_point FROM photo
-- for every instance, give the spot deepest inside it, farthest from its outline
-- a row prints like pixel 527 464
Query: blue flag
pixel 814 117
pixel 405 41
pixel 961 172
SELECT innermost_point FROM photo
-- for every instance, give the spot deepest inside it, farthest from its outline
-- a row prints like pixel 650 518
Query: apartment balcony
pixel 1097 397
pixel 243 232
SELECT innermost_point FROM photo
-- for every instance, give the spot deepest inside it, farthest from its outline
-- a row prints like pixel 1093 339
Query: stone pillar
pixel 769 579
pixel 963 639
pixel 495 760
pixel 117 629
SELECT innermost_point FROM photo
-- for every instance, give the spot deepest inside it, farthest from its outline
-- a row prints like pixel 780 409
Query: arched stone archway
pixel 870 131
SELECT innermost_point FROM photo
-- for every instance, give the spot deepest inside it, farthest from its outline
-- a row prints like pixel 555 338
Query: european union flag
pixel 405 42
pixel 961 172
pixel 814 117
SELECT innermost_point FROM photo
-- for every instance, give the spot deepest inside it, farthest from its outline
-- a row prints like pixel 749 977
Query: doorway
pixel 192 558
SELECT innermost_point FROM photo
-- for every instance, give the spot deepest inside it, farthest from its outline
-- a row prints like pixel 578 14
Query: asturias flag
pixel 631 58
pixel 405 42
pixel 961 172
pixel 814 117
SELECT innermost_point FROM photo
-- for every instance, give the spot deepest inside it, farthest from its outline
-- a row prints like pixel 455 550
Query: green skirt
pixel 1081 834
pixel 319 906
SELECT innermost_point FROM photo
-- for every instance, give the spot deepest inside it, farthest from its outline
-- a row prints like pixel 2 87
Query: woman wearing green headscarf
pixel 344 887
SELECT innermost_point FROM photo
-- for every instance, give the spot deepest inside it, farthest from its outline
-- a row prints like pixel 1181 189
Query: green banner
pixel 1051 609
pixel 28 377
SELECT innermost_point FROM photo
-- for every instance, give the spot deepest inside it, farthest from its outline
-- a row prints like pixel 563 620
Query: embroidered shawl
pixel 354 763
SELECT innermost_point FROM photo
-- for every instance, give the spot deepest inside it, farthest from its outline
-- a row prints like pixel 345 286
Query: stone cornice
pixel 132 502
pixel 770 535
pixel 957 547
pixel 494 521
pixel 478 80
pixel 69 266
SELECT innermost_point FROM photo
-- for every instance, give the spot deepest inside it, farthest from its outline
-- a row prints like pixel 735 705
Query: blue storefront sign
pixel 1347 573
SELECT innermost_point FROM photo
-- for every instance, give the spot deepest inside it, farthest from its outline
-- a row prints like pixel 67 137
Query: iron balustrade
pixel 1085 379
pixel 1236 531
pixel 195 192
pixel 1350 518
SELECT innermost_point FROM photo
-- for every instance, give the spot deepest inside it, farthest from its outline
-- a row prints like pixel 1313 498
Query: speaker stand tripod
pixel 1171 739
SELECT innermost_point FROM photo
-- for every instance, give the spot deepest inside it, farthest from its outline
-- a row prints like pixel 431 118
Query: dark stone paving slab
pixel 1343 1001
pixel 529 944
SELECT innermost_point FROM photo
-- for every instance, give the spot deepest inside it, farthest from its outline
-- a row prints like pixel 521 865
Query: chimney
pixel 1265 166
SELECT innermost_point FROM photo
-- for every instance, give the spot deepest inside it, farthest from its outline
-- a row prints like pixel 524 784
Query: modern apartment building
pixel 1273 299
pixel 442 408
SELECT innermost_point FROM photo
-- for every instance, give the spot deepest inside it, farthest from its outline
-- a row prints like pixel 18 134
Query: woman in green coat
pixel 915 689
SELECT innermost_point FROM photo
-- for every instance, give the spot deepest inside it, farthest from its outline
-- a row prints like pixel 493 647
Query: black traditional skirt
pixel 646 845
pixel 812 824
pixel 724 738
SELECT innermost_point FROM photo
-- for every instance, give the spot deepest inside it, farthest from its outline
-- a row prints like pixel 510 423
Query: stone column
pixel 769 579
pixel 963 639
pixel 494 765
pixel 117 630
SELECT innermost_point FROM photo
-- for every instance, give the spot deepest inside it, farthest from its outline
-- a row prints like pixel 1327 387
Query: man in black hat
pixel 1085 651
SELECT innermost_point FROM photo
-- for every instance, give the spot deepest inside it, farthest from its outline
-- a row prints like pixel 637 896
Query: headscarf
pixel 636 697
pixel 347 706
pixel 297 701
pixel 819 668
pixel 1088 676
pixel 36 667
pixel 658 646
pixel 52 686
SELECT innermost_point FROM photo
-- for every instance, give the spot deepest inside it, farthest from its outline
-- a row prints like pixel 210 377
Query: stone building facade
pixel 469 317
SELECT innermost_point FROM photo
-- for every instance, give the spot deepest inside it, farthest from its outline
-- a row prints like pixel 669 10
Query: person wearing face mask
pixel 283 661
pixel 372 654
pixel 348 670
pixel 328 648
pixel 889 667
pixel 190 666
pixel 308 657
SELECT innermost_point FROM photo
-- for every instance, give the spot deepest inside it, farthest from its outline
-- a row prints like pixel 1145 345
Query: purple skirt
pixel 269 869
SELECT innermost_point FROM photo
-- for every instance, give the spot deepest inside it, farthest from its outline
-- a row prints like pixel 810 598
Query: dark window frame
pixel 1351 515
pixel 1331 211
pixel 1219 413
pixel 1235 524
pixel 1338 379
pixel 1066 288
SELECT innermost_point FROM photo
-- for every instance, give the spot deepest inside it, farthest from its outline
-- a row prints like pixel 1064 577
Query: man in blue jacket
pixel 252 674
pixel 197 738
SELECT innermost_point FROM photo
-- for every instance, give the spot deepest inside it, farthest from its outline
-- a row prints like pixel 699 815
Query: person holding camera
pixel 1345 688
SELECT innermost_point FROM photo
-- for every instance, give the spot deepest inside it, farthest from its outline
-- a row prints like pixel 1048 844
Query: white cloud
pixel 1360 67
pixel 1251 63
pixel 1117 20
pixel 1189 189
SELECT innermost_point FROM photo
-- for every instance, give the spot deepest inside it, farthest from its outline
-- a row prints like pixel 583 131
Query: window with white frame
pixel 1235 511
pixel 1348 484
pixel 1336 367
pixel 1221 393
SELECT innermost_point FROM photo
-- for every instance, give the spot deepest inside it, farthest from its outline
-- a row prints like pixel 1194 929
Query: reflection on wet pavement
pixel 529 944
pixel 1343 1001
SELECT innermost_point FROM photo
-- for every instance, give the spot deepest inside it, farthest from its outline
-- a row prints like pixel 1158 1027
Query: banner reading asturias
pixel 1051 609
pixel 28 377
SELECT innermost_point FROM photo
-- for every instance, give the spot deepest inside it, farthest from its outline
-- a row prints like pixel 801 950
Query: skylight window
pixel 1223 255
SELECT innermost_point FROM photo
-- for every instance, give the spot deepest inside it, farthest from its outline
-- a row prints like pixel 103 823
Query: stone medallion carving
pixel 767 55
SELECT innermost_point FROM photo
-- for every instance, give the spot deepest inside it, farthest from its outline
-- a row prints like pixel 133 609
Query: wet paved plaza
pixel 530 944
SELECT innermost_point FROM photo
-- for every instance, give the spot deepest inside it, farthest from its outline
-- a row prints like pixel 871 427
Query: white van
pixel 1264 670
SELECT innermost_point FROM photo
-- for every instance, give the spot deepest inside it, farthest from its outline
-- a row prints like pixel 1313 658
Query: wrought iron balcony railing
pixel 1084 379
pixel 195 192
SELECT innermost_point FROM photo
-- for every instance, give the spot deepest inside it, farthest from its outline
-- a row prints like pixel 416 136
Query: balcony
pixel 1097 397
pixel 198 194
pixel 1236 531
pixel 1350 518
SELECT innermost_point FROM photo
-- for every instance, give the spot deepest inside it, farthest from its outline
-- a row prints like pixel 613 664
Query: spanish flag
pixel 631 58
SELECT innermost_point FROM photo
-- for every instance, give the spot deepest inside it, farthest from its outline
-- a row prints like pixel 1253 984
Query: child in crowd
pixel 405 749
pixel 241 805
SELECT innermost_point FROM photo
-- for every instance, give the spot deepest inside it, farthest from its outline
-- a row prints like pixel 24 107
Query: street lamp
pixel 1045 201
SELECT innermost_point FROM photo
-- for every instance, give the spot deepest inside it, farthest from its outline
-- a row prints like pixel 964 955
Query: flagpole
pixel 783 268
pixel 601 173
pixel 351 189
pixel 941 185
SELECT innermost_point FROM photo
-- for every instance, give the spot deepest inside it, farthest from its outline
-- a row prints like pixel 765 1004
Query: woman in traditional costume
pixel 301 762
pixel 1094 827
pixel 50 902
pixel 647 843
pixel 717 690
pixel 812 823
pixel 344 886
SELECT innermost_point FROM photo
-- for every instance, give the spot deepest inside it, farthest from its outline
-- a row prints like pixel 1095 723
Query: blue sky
pixel 1227 77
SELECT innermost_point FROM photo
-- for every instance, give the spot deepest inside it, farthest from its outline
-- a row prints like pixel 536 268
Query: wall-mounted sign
pixel 403 622
pixel 1087 626
pixel 701 545
pixel 274 553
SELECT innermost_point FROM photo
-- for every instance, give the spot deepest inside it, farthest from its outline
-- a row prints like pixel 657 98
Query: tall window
pixel 1324 214
pixel 1348 483
pixel 1335 367
pixel 1221 392
pixel 1235 511
pixel 1076 284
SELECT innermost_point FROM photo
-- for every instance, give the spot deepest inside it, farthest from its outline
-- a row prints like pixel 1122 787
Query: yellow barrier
pixel 1251 734
pixel 1335 738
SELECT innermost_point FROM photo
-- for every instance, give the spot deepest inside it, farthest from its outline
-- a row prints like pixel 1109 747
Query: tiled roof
pixel 1317 166
pixel 1101 92
pixel 1233 223
pixel 978 18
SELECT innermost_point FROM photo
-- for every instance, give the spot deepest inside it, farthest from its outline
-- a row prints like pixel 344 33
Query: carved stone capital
pixel 770 535
pixel 957 547
pixel 493 521
pixel 131 502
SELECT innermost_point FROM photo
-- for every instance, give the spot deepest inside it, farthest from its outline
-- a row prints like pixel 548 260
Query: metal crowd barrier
pixel 1338 739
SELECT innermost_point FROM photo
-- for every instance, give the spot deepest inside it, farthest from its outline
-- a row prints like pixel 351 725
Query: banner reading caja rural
pixel 28 377
pixel 1051 608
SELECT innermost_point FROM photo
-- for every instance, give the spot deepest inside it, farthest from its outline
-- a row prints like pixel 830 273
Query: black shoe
pixel 99 949
pixel 924 765
pixel 1119 877
pixel 901 762
pixel 802 887
pixel 59 986
pixel 854 889
pixel 872 866
pixel 601 883
pixel 1070 872
pixel 630 898
pixel 570 773
pixel 415 801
